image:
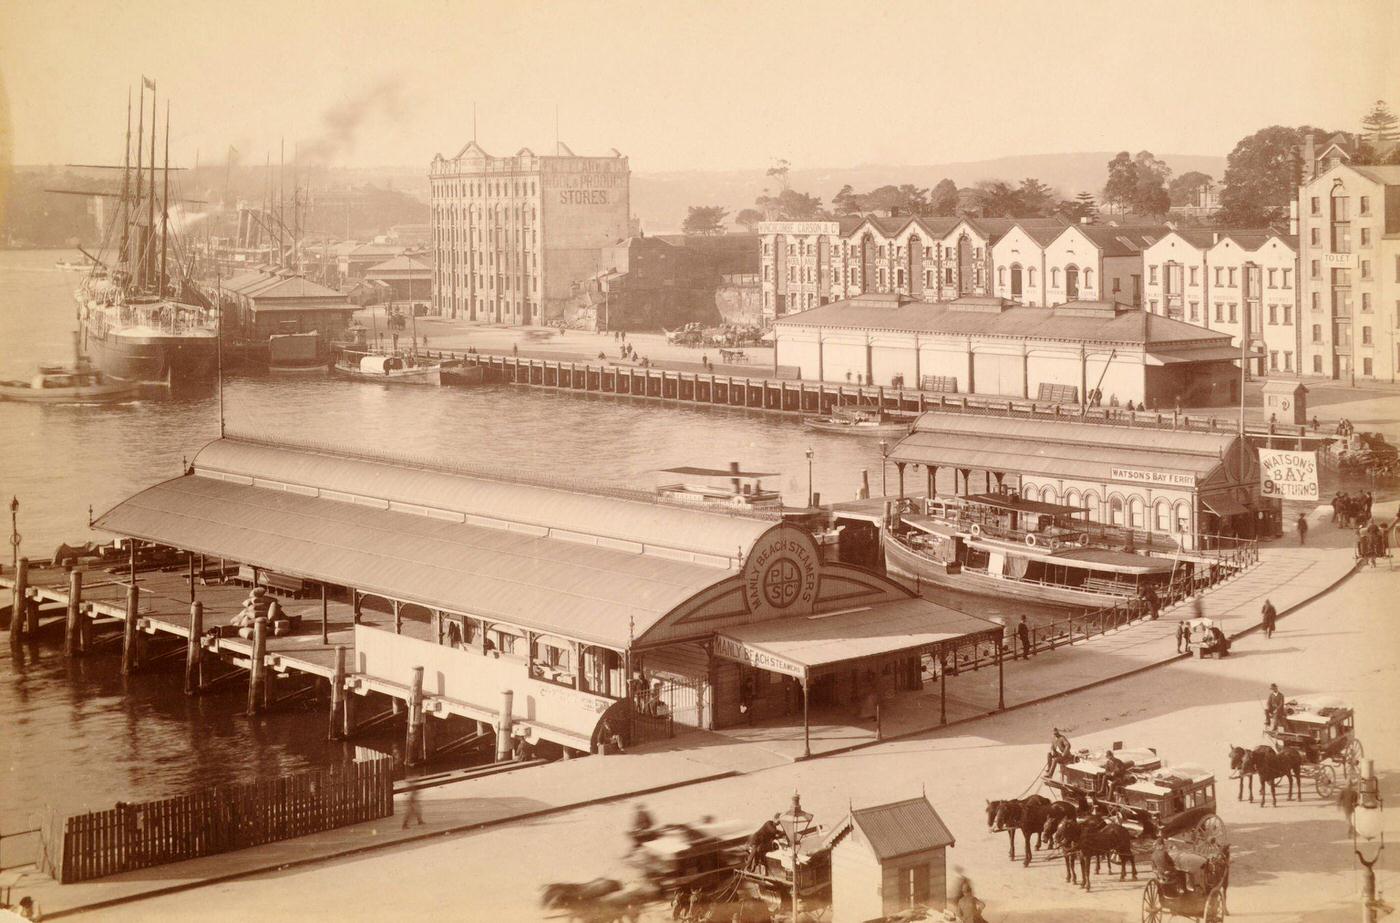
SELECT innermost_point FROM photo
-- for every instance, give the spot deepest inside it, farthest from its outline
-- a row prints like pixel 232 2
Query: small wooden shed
pixel 888 858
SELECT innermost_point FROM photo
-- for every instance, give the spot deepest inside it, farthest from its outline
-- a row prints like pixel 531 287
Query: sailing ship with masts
pixel 139 317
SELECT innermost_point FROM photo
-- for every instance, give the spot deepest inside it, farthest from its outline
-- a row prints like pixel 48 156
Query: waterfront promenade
pixel 1290 576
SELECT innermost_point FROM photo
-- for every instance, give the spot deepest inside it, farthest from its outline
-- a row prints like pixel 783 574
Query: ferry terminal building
pixel 569 599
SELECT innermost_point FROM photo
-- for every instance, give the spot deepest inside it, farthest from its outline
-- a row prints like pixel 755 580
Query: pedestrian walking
pixel 412 810
pixel 1023 634
pixel 1183 638
pixel 1154 604
pixel 1302 528
pixel 1270 618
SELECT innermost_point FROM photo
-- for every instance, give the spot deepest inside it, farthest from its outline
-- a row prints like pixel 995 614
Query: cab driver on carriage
pixel 1060 752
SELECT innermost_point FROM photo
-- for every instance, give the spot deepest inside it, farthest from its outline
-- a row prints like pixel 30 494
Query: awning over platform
pixel 590 592
pixel 1224 505
pixel 1206 354
pixel 1064 449
pixel 796 646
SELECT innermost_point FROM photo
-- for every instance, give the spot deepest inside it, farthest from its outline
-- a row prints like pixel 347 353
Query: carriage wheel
pixel 1215 905
pixel 1211 829
pixel 1352 755
pixel 1325 780
pixel 1151 903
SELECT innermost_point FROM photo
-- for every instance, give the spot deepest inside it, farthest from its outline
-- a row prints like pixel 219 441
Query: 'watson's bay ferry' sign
pixel 1155 478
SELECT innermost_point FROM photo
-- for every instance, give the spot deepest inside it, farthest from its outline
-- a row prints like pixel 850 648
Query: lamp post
pixel 1368 833
pixel 809 477
pixel 796 824
pixel 14 532
pixel 884 454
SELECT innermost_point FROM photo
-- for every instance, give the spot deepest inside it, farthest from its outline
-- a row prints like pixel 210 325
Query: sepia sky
pixel 689 85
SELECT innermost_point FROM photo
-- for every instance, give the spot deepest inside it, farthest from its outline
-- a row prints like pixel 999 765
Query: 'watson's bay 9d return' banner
pixel 1288 475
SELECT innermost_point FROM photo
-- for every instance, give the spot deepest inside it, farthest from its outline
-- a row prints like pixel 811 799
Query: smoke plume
pixel 341 124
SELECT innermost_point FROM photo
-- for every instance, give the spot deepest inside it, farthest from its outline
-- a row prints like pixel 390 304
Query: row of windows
pixel 1343 276
pixel 493 188
pixel 1132 514
pixel 1341 206
pixel 1287 360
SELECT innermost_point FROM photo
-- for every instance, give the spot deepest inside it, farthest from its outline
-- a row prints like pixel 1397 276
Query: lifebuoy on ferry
pixel 976 530
pixel 1054 544
pixel 1083 541
pixel 1030 539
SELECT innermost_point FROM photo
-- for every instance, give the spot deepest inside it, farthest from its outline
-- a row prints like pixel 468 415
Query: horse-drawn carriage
pixel 1146 797
pixel 1322 729
pixel 688 855
pixel 1196 889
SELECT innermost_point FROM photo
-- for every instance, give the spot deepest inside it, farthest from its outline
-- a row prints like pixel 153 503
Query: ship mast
pixel 165 200
pixel 151 208
pixel 138 258
pixel 126 182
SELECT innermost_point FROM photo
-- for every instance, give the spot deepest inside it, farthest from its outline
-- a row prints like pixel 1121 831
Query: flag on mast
pixel 147 82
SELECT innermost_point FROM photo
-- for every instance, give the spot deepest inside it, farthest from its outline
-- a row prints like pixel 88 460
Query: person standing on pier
pixel 412 810
pixel 1023 634
pixel 1302 528
pixel 1183 638
pixel 1270 619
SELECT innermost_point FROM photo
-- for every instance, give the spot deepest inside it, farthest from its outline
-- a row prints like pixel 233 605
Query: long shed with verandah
pixel 1175 485
pixel 572 597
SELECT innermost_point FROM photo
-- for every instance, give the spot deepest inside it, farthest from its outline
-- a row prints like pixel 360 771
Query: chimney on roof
pixel 1309 157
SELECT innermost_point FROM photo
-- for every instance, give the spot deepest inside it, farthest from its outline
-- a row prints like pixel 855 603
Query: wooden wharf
pixel 800 397
pixel 305 661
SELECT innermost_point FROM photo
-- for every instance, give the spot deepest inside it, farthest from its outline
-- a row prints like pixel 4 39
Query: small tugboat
pixel 744 491
pixel 1002 545
pixel 395 368
pixel 861 421
pixel 80 383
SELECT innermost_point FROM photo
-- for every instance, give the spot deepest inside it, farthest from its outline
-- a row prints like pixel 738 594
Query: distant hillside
pixel 660 200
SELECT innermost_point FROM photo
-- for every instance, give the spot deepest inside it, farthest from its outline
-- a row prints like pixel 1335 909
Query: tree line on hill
pixel 1261 176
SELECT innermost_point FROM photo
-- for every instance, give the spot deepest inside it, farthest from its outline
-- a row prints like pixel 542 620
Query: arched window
pixel 1030 277
pixel 1115 511
pixel 1135 513
pixel 1055 276
pixel 1088 278
pixel 1001 276
pixel 1049 494
pixel 1030 491
pixel 1183 516
pixel 1091 500
pixel 1072 497
pixel 1161 516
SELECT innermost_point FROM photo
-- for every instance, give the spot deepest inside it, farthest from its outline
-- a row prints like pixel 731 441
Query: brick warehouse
pixel 510 234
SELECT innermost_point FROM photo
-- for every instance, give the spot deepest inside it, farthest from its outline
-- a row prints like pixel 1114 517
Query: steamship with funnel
pixel 139 318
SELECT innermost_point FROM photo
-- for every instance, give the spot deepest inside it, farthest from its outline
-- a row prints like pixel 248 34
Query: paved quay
pixel 1287 574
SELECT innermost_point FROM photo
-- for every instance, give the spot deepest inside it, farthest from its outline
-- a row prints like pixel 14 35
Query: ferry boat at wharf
pixel 80 383
pixel 861 421
pixel 1001 544
pixel 391 368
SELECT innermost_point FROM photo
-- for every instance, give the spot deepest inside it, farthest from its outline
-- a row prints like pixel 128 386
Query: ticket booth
pixel 1286 402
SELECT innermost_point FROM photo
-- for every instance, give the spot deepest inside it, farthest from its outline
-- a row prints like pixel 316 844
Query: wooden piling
pixel 257 678
pixel 414 743
pixel 18 603
pixel 337 722
pixel 130 654
pixel 73 629
pixel 191 557
pixel 194 653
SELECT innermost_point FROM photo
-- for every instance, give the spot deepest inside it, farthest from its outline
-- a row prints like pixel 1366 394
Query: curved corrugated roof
pixel 638 519
pixel 589 592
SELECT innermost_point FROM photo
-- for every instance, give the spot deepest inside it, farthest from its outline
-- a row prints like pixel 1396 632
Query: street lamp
pixel 884 454
pixel 1368 832
pixel 14 531
pixel 796 824
pixel 809 477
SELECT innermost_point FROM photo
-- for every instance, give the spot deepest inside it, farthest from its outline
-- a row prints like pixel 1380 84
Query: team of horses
pixel 1079 829
pixel 1269 765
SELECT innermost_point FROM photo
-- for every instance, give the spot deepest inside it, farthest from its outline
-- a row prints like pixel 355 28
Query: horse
pixel 1024 814
pixel 1270 765
pixel 1107 841
pixel 1056 814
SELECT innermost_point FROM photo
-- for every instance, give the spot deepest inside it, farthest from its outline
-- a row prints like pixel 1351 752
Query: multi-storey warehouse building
pixel 510 234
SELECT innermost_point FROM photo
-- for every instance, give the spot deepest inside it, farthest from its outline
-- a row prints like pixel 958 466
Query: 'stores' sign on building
pixel 1288 475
